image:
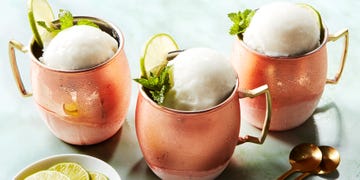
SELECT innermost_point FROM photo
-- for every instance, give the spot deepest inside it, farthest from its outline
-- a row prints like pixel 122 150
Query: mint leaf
pixel 159 96
pixel 234 18
pixel 157 85
pixel 241 21
pixel 234 29
pixel 66 19
pixel 87 22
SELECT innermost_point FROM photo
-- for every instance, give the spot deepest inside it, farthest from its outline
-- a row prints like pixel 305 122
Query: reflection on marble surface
pixel 24 137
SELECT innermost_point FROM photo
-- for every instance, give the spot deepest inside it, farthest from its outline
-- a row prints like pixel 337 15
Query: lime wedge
pixel 318 17
pixel 71 170
pixel 40 10
pixel 155 52
pixel 47 175
pixel 97 176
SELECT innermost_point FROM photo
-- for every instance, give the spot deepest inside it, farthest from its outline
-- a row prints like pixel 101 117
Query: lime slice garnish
pixel 71 170
pixel 318 17
pixel 71 109
pixel 47 175
pixel 40 10
pixel 155 52
pixel 97 176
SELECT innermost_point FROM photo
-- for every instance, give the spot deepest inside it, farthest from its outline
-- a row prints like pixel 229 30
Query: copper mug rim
pixel 176 111
pixel 116 33
pixel 324 40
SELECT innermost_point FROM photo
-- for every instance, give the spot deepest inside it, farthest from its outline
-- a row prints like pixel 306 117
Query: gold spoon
pixel 329 163
pixel 303 157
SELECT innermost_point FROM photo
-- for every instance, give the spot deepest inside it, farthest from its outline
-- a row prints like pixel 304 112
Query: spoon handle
pixel 302 176
pixel 286 174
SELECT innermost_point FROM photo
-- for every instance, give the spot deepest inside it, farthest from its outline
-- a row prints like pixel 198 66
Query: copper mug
pixel 84 106
pixel 193 144
pixel 296 83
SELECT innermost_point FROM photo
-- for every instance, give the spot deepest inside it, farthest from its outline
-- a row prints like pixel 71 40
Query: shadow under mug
pixel 296 83
pixel 193 144
pixel 84 106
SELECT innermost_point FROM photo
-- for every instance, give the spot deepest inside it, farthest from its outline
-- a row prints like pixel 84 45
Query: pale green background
pixel 24 138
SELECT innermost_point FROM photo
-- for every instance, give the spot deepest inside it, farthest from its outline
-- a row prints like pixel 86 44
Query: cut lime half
pixel 47 175
pixel 318 17
pixel 71 170
pixel 155 52
pixel 39 10
pixel 97 176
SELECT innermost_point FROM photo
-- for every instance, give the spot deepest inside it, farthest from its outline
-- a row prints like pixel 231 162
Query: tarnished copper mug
pixel 296 83
pixel 84 106
pixel 193 144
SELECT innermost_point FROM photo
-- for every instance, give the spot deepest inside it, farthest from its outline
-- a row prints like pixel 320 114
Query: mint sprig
pixel 241 21
pixel 66 20
pixel 157 85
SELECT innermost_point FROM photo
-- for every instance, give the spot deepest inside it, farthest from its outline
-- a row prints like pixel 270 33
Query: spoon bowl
pixel 329 163
pixel 303 157
pixel 330 160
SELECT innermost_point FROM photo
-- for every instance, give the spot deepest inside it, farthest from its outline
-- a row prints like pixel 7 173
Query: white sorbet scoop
pixel 202 78
pixel 79 47
pixel 283 29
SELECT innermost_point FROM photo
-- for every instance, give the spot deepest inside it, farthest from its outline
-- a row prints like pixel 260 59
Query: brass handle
pixel 12 45
pixel 265 129
pixel 334 38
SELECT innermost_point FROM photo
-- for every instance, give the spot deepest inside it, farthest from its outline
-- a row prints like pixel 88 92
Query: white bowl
pixel 87 162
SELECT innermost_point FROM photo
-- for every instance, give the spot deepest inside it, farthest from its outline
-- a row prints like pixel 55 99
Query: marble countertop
pixel 24 137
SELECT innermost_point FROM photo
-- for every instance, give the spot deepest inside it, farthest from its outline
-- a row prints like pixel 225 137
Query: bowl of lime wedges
pixel 68 166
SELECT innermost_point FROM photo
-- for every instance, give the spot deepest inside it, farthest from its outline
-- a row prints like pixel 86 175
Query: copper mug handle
pixel 12 46
pixel 333 38
pixel 264 89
